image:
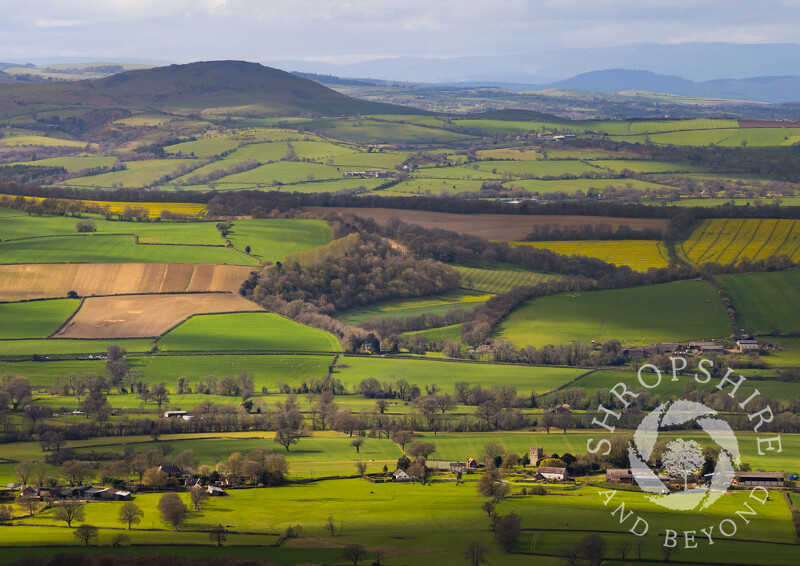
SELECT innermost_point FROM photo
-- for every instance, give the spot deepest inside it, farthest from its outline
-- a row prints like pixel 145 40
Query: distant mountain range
pixel 758 72
pixel 693 61
pixel 756 89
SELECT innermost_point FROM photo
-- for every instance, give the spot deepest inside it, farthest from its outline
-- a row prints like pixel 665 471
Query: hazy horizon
pixel 180 31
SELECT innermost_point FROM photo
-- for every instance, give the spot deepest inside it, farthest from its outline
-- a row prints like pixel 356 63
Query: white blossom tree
pixel 683 459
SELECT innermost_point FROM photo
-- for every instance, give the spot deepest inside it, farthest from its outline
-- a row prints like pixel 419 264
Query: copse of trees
pixel 370 271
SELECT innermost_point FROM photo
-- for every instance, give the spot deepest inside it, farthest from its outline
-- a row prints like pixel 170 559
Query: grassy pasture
pixel 641 166
pixel 267 370
pixel 284 172
pixel 606 379
pixel 571 185
pixel 261 152
pixel 473 171
pixel 37 319
pixel 369 160
pixel 275 238
pixel 725 241
pixel 137 174
pixel 515 153
pixel 203 147
pixel 71 164
pixel 500 279
pixel 364 131
pixel 639 255
pixel 536 168
pixel 331 185
pixel 247 331
pixel 402 308
pixel 763 299
pixel 40 141
pixel 446 373
pixel 422 185
pixel 452 332
pixel 56 347
pixel 319 150
pixel 667 312
pixel 113 249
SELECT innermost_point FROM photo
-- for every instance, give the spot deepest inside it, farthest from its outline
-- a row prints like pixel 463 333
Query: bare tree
pixel 361 468
pixel 173 509
pixel 6 514
pixel 198 497
pixel 593 548
pixel 402 437
pixel 622 549
pixel 286 437
pixel 217 534
pixel 69 512
pixel 507 531
pixel 87 534
pixel 476 553
pixel 357 443
pixel 353 552
pixel 130 514
pixel 76 472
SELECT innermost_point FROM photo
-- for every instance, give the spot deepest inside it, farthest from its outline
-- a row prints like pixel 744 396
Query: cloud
pixel 185 30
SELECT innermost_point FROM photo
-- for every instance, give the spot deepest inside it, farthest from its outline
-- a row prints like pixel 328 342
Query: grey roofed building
pixel 763 479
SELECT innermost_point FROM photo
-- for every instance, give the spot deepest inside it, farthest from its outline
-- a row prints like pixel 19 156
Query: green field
pixel 35 319
pixel 639 166
pixel 639 255
pixel 60 346
pixel 274 239
pixel 71 164
pixel 765 299
pixel 446 373
pixel 402 308
pixel 197 233
pixel 452 333
pixel 113 249
pixel 136 174
pixel 267 370
pixel 730 241
pixel 247 331
pixel 670 312
pixel 500 279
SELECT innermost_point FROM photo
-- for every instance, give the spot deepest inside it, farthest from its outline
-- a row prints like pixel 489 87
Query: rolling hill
pixel 235 87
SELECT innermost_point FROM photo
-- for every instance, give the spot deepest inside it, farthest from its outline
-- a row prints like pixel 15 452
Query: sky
pixel 347 31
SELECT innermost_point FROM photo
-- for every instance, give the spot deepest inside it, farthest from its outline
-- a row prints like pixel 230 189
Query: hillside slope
pixel 235 87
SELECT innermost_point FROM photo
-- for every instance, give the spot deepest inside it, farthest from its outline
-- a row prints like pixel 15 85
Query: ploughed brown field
pixel 490 226
pixel 38 281
pixel 769 124
pixel 144 316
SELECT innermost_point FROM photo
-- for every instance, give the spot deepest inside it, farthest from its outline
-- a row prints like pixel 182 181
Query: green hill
pixel 235 87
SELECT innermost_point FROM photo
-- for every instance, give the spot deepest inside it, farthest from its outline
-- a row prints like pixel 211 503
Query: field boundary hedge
pixel 69 318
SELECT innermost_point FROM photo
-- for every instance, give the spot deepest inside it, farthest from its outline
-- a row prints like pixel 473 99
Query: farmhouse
pixel 554 474
pixel 747 345
pixel 401 475
pixel 215 491
pixel 456 467
pixel 171 471
pixel 619 475
pixel 763 479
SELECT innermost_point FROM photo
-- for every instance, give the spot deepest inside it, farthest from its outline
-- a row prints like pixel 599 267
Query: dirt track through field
pixel 37 281
pixel 143 316
pixel 490 226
